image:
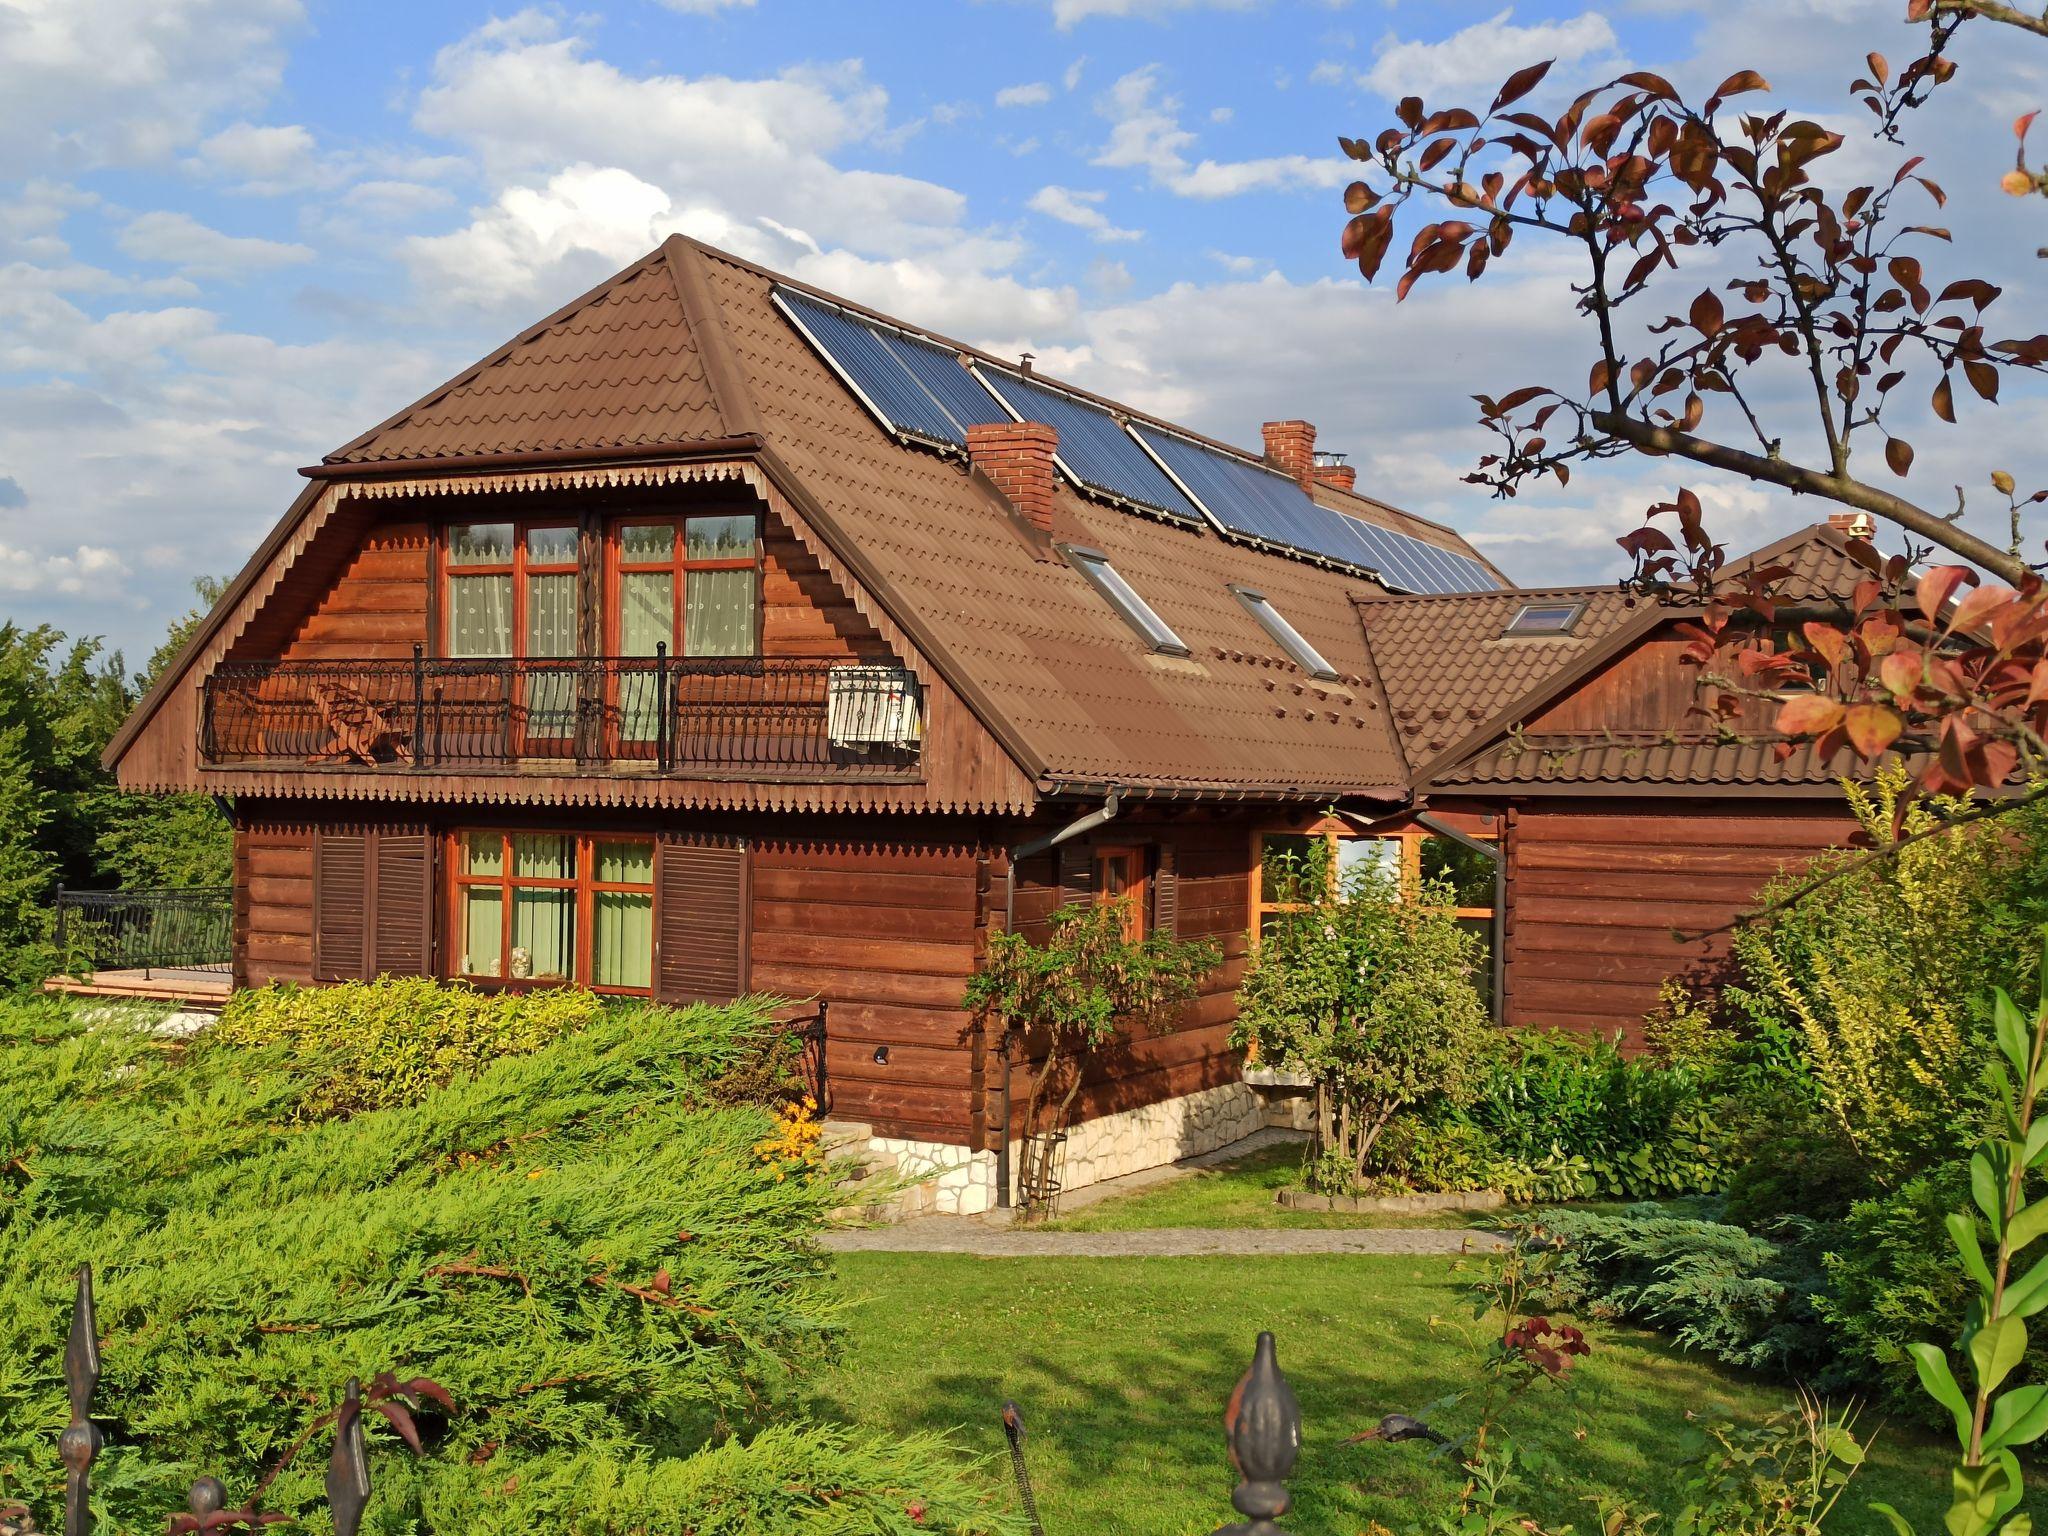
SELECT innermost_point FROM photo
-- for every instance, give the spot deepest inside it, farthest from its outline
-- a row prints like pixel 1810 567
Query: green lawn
pixel 1122 1368
pixel 1237 1194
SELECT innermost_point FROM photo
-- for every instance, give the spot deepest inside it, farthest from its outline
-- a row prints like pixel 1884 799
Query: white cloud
pixel 1071 13
pixel 1035 94
pixel 88 565
pixel 181 241
pixel 1146 134
pixel 707 7
pixel 1328 72
pixel 264 159
pixel 1082 210
pixel 1071 77
pixel 118 82
pixel 1482 55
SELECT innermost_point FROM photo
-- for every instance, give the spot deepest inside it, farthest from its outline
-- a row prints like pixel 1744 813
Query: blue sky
pixel 233 233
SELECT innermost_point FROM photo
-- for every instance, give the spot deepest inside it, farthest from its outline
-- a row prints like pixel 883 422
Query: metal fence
pixel 671 714
pixel 189 930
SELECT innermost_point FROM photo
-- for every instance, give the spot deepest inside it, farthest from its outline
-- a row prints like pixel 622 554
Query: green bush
pixel 369 1044
pixel 587 1249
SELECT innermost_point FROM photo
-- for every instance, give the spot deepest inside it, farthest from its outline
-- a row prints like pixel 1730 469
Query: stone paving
pixel 964 1234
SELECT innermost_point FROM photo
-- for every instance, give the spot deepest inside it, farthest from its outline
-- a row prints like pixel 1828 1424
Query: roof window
pixel 1123 597
pixel 1289 639
pixel 1545 619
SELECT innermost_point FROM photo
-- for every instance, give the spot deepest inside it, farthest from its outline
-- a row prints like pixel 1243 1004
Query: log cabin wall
pixel 1210 858
pixel 1606 898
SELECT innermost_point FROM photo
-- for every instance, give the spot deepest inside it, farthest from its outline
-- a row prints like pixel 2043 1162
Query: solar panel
pixel 875 370
pixel 1094 446
pixel 939 370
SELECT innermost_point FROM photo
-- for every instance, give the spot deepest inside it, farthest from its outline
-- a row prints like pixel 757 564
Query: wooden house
pixel 717 635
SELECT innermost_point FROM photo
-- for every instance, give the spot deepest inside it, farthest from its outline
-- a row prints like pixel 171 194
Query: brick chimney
pixel 1331 470
pixel 1291 449
pixel 1017 456
pixel 1858 525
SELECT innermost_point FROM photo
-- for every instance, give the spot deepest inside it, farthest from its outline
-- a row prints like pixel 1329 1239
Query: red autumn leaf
pixel 1944 402
pixel 1809 715
pixel 1706 312
pixel 1938 585
pixel 1521 83
pixel 1974 610
pixel 1829 641
pixel 1358 197
pixel 1739 82
pixel 1900 672
pixel 1898 455
pixel 1872 727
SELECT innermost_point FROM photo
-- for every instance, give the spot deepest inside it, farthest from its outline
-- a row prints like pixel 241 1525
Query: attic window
pixel 1545 619
pixel 1289 639
pixel 1123 597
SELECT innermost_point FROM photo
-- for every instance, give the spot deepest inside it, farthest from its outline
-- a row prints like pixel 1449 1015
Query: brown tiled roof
pixel 1447 666
pixel 1090 699
pixel 616 368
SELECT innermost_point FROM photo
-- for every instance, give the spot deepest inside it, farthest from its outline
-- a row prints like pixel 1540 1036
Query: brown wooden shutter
pixel 1077 874
pixel 1165 891
pixel 702 918
pixel 341 900
pixel 402 932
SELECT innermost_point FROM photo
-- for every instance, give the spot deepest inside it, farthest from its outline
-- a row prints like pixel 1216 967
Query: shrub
pixel 589 1252
pixel 368 1044
pixel 1369 989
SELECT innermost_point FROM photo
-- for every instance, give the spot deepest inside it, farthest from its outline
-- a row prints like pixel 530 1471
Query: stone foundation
pixel 952 1181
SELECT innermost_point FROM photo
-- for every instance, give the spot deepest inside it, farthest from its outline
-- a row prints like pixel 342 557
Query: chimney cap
pixel 1330 459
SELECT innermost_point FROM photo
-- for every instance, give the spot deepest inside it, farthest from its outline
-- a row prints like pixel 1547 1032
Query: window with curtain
pixel 553 907
pixel 691 583
pixel 512 592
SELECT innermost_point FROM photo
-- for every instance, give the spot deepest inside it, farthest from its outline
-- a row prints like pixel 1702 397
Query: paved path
pixel 964 1234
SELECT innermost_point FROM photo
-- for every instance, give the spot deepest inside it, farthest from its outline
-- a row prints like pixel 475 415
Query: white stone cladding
pixel 951 1181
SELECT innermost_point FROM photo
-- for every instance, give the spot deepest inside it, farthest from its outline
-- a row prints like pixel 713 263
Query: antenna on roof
pixel 1024 363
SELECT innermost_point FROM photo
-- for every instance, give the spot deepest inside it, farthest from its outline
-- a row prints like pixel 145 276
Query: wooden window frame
pixel 679 565
pixel 1137 897
pixel 519 568
pixel 1411 840
pixel 585 884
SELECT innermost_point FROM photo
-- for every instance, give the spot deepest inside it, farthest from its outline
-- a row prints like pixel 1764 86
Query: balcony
pixel 737 717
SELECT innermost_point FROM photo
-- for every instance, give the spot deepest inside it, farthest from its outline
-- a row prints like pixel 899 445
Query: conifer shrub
pixel 618 1288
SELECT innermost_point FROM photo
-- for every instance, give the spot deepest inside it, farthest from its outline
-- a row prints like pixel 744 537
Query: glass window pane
pixel 550 615
pixel 483 853
pixel 483 930
pixel 625 863
pixel 1469 874
pixel 551 546
pixel 543 856
pixel 644 543
pixel 718 619
pixel 646 612
pixel 1357 855
pixel 480 544
pixel 1283 863
pixel 1482 971
pixel 480 615
pixel 720 538
pixel 622 939
pixel 543 934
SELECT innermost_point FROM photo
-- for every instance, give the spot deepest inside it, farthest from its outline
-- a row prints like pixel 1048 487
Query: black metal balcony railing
pixel 189 930
pixel 738 715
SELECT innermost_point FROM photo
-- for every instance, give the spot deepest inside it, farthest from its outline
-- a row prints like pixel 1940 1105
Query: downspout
pixel 1492 853
pixel 1006 1048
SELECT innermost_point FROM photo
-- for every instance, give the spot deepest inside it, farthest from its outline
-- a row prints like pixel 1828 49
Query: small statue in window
pixel 522 963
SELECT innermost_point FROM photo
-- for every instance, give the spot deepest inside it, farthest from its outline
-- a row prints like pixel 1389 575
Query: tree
pixel 26 866
pixel 1831 283
pixel 1367 988
pixel 1074 995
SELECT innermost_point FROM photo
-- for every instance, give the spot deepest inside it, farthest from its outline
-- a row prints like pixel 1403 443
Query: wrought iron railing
pixel 725 716
pixel 190 930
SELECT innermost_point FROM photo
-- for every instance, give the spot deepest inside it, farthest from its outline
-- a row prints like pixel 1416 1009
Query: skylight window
pixel 1545 619
pixel 1290 640
pixel 1123 597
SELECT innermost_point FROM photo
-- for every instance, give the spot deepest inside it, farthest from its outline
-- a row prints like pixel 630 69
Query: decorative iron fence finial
pixel 1263 1426
pixel 81 1439
pixel 348 1468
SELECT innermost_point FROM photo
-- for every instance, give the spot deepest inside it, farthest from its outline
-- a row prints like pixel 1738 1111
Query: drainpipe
pixel 1005 1049
pixel 1492 854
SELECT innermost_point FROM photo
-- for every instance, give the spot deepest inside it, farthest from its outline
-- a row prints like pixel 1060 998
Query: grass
pixel 1122 1367
pixel 1236 1194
